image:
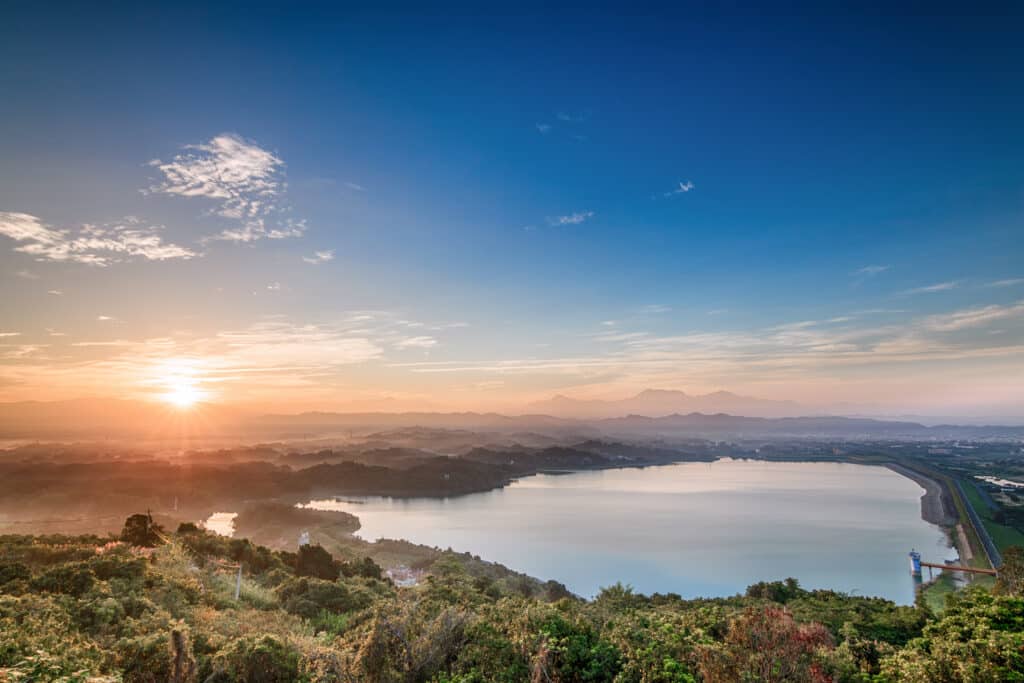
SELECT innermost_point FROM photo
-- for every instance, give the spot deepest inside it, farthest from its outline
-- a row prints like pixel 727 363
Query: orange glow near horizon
pixel 181 383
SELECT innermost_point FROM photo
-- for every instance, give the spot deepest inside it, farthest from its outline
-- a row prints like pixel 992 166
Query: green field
pixel 1003 536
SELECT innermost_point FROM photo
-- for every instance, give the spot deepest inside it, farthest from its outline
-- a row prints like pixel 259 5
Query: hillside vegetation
pixel 151 606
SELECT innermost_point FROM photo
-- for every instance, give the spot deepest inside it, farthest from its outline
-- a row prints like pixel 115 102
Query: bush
pixel 573 651
pixel 37 623
pixel 768 645
pixel 145 658
pixel 308 597
pixel 9 571
pixel 112 566
pixel 314 561
pixel 262 659
pixel 73 579
pixel 364 567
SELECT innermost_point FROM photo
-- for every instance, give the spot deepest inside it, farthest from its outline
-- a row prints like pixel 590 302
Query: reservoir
pixel 696 529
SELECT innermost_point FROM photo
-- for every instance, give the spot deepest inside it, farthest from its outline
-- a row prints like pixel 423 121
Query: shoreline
pixel 936 503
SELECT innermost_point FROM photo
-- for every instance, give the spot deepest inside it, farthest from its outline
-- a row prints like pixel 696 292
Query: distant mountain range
pixel 140 422
pixel 661 402
pixel 722 426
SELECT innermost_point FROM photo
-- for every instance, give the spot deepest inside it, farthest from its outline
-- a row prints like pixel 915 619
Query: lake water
pixel 697 529
pixel 222 523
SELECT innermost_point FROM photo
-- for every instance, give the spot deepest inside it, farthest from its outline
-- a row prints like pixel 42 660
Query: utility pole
pixel 238 582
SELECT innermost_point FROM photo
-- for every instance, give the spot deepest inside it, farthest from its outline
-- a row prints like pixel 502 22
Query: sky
pixel 341 208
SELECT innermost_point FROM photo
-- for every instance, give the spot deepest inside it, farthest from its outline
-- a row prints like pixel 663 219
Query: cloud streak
pixel 1010 282
pixel 682 188
pixel 869 271
pixel 319 257
pixel 802 351
pixel 931 289
pixel 572 218
pixel 421 342
pixel 974 317
pixel 91 244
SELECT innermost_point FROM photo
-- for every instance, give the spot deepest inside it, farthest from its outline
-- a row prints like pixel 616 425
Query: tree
pixel 313 560
pixel 364 567
pixel 1010 580
pixel 776 591
pixel 979 639
pixel 183 664
pixel 141 530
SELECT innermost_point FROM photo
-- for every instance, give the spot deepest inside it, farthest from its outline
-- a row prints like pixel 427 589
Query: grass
pixel 935 592
pixel 252 594
pixel 1002 536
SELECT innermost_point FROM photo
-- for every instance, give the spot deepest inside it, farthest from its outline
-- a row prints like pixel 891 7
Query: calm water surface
pixel 697 529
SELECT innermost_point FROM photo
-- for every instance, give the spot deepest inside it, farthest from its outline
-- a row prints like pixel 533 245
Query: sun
pixel 182 394
pixel 180 384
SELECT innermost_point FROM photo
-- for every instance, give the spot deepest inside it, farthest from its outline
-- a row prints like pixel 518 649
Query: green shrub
pixel 13 571
pixel 262 659
pixel 73 579
pixel 314 561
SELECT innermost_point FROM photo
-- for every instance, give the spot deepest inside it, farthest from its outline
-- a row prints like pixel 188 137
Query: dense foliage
pixel 79 608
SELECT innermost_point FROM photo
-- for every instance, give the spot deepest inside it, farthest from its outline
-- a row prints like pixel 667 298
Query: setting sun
pixel 182 394
pixel 180 384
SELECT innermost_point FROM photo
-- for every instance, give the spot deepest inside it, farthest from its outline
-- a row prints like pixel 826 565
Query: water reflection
pixel 222 523
pixel 690 528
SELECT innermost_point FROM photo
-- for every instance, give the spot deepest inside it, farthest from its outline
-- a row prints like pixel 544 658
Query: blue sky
pixel 503 195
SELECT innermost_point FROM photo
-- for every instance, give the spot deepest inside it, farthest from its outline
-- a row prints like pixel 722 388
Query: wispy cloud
pixel 572 218
pixel 421 342
pixel 938 287
pixel 55 292
pixel 245 180
pixel 355 186
pixel 868 271
pixel 543 128
pixel 320 257
pixel 804 350
pixel 655 309
pixel 1011 282
pixel 569 117
pixel 620 336
pixel 682 188
pixel 974 317
pixel 10 334
pixel 91 244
